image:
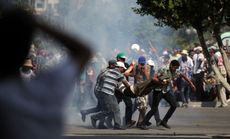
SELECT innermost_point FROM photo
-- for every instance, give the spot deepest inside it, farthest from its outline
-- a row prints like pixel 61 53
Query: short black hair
pixel 112 62
pixel 175 63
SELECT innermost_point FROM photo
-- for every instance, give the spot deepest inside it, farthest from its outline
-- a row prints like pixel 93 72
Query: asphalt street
pixel 191 122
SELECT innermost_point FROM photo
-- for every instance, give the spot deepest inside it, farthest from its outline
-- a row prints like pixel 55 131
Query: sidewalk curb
pixel 204 104
pixel 200 104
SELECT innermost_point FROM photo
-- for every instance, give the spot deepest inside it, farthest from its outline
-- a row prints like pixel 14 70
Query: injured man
pixel 145 87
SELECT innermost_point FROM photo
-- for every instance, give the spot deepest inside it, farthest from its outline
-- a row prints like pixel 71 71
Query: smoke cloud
pixel 110 26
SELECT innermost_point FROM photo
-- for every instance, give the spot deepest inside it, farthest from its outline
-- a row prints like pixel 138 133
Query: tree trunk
pixel 225 57
pixel 220 77
pixel 213 66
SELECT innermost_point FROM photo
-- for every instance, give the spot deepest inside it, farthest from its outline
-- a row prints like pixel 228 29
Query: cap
pixel 112 62
pixel 150 62
pixel 121 64
pixel 141 60
pixel 28 63
pixel 212 47
pixel 198 48
pixel 121 55
pixel 165 53
pixel 185 52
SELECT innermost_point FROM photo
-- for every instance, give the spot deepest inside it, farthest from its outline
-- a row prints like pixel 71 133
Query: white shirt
pixel 198 60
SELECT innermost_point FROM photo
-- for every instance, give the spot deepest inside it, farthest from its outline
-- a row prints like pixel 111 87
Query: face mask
pixel 184 58
pixel 26 69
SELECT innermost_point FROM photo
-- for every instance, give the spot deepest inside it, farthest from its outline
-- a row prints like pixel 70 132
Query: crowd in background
pixel 193 64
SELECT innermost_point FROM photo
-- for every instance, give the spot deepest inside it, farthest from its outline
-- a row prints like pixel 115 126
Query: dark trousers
pixel 128 105
pixel 110 107
pixel 98 107
pixel 198 82
pixel 157 96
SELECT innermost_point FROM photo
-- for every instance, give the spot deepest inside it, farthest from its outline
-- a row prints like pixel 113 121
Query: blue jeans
pixel 185 92
pixel 99 105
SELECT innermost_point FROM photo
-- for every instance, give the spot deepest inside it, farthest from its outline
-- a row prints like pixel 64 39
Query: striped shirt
pixel 110 81
pixel 99 80
pixel 121 87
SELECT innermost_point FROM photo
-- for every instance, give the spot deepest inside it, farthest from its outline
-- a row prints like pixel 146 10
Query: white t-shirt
pixel 198 60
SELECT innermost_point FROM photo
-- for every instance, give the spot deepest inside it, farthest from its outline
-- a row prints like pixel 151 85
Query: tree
pixel 201 15
pixel 218 16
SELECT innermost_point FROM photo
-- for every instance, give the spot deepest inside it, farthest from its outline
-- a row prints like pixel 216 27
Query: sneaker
pixel 223 106
pixel 102 126
pixel 184 105
pixel 108 123
pixel 148 123
pixel 118 128
pixel 93 121
pixel 131 123
pixel 138 125
pixel 83 115
pixel 158 123
pixel 164 124
pixel 143 126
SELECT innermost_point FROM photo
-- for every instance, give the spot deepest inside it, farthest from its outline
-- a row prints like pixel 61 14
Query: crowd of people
pixel 174 76
pixel 32 98
pixel 186 72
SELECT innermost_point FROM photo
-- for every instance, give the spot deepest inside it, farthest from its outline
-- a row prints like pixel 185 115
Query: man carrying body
pixel 107 99
pixel 166 93
pixel 127 100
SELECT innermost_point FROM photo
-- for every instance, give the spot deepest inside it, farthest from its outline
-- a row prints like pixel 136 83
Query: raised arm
pixel 129 71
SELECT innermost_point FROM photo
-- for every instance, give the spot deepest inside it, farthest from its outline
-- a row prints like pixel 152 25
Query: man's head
pixel 198 49
pixel 166 56
pixel 27 65
pixel 150 62
pixel 112 64
pixel 121 57
pixel 141 60
pixel 184 54
pixel 174 65
pixel 212 50
pixel 121 66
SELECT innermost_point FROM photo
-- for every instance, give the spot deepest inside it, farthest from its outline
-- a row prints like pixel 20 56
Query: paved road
pixel 202 122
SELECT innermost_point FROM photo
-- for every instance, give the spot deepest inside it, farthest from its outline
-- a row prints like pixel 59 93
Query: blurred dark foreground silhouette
pixel 33 110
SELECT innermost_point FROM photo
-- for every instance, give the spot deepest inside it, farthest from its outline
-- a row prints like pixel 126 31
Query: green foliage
pixel 184 13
